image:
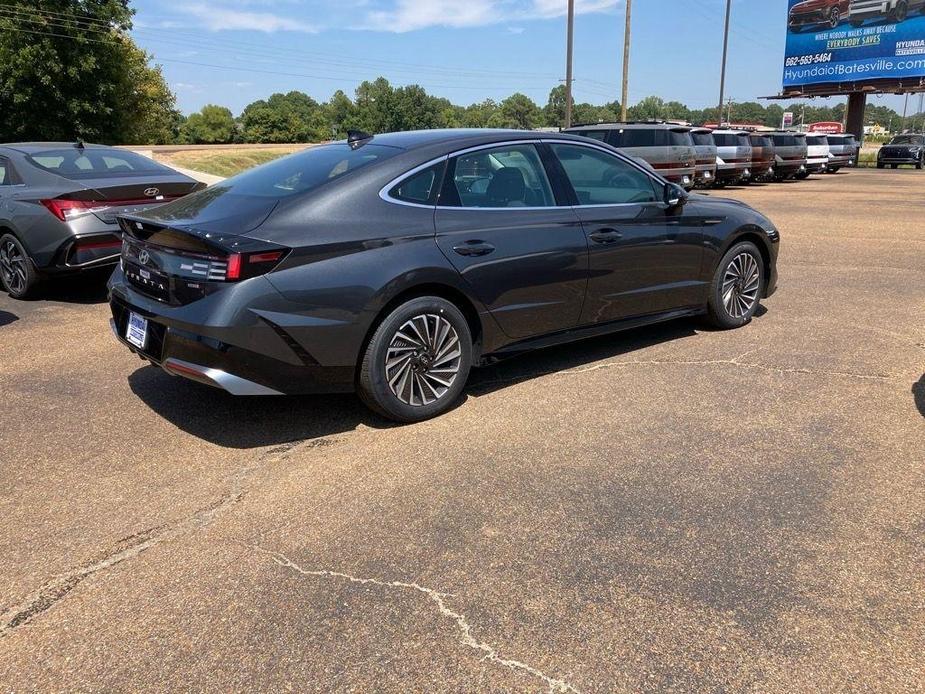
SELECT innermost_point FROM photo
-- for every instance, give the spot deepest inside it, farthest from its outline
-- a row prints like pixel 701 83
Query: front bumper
pixel 230 347
pixel 806 18
pixel 900 160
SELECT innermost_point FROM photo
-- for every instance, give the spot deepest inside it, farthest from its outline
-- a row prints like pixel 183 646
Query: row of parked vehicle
pixel 713 158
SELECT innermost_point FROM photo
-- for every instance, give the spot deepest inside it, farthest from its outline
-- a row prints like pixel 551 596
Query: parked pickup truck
pixel 893 11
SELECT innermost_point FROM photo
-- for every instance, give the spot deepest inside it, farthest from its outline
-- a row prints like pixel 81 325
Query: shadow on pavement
pixel 87 288
pixel 251 422
pixel 576 354
pixel 918 392
pixel 6 318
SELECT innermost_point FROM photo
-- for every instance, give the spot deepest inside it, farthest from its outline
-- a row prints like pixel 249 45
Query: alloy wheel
pixel 423 359
pixel 13 267
pixel 834 17
pixel 741 283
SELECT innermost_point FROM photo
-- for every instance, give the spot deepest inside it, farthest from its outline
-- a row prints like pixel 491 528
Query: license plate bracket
pixel 136 331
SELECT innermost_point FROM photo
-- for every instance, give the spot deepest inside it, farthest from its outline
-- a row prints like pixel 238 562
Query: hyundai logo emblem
pixel 151 192
pixel 144 257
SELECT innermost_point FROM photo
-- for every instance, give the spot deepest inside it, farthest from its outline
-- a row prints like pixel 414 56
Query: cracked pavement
pixel 672 509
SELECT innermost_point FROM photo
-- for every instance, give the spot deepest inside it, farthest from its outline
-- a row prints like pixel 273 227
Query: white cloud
pixel 224 19
pixel 409 15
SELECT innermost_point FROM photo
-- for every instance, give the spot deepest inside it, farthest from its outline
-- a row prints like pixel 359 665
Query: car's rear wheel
pixel 736 287
pixel 17 273
pixel 834 18
pixel 900 13
pixel 416 363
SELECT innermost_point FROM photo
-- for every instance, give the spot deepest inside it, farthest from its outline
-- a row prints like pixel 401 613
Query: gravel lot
pixel 670 509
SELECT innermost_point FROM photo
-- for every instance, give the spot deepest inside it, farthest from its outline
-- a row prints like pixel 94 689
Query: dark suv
pixel 667 148
pixel 903 149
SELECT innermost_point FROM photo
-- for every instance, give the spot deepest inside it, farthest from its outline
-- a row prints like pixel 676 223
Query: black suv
pixel 903 149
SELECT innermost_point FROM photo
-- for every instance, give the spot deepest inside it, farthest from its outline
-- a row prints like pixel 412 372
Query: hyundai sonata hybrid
pixel 392 264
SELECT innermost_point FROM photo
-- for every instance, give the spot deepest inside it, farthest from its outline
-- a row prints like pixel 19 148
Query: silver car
pixel 58 207
pixel 790 154
pixel 705 147
pixel 817 155
pixel 843 151
pixel 668 148
pixel 733 156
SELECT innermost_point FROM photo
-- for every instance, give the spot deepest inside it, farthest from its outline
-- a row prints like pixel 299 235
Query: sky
pixel 233 52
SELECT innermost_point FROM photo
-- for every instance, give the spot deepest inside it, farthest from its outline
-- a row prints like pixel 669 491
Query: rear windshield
pixel 760 141
pixel 307 170
pixel 787 141
pixel 731 140
pixel 816 140
pixel 703 139
pixel 75 163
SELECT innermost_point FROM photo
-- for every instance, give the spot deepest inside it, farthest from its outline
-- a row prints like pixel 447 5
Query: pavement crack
pixel 129 547
pixel 466 638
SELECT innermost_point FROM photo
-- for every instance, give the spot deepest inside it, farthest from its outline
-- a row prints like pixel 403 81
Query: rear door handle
pixel 606 235
pixel 474 248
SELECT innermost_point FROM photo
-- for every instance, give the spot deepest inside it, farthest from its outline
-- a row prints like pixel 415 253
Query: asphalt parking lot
pixel 674 509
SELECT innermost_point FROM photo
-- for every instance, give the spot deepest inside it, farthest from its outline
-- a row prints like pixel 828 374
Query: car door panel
pixel 532 279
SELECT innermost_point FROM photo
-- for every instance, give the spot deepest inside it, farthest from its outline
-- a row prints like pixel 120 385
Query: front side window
pixel 599 178
pixel 508 176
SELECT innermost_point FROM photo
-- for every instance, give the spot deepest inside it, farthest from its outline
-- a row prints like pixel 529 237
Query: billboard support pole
pixel 722 75
pixel 902 127
pixel 854 120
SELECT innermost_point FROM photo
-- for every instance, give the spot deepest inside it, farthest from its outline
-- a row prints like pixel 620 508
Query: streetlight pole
pixel 722 76
pixel 568 64
pixel 626 60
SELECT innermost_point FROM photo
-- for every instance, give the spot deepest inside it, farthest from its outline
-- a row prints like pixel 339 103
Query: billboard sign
pixel 854 41
pixel 788 119
pixel 826 127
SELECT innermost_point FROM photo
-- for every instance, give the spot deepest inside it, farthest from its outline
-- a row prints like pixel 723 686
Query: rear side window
pixel 421 188
pixel 638 137
pixel 593 134
pixel 599 178
pixel 508 176
pixel 76 163
pixel 679 138
pixel 306 170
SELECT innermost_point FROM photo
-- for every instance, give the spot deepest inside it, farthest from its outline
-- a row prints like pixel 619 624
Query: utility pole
pixel 626 60
pixel 728 111
pixel 722 76
pixel 902 126
pixel 921 110
pixel 568 64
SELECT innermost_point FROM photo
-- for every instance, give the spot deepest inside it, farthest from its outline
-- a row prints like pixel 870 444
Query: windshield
pixel 76 163
pixel 907 140
pixel 306 170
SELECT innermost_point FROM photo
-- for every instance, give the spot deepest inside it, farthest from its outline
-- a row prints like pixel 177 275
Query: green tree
pixel 292 117
pixel 650 108
pixel 517 111
pixel 480 115
pixel 340 113
pixel 59 81
pixel 412 109
pixel 212 125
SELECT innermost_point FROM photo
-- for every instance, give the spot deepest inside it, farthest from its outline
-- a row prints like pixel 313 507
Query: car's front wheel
pixel 736 287
pixel 416 363
pixel 17 273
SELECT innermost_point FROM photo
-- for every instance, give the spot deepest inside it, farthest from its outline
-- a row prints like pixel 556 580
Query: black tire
pixel 833 169
pixel 802 176
pixel 899 14
pixel 834 18
pixel 718 313
pixel 880 165
pixel 373 377
pixel 895 166
pixel 18 275
pixel 920 164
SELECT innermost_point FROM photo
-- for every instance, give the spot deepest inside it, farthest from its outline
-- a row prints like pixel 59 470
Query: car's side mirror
pixel 675 195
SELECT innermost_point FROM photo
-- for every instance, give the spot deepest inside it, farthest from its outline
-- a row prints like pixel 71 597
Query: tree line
pixel 63 77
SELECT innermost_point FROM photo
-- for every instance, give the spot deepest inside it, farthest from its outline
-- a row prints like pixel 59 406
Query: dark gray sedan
pixel 58 207
pixel 392 264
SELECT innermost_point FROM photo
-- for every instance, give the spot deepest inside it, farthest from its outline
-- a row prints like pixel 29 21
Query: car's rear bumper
pixel 235 350
pixel 733 172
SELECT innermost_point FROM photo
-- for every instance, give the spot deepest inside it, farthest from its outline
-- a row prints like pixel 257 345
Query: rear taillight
pixel 242 266
pixel 66 210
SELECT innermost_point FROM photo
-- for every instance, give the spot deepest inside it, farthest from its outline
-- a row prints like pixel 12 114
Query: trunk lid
pixel 116 195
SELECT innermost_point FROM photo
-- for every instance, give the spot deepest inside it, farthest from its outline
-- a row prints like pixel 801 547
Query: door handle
pixel 606 235
pixel 474 248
